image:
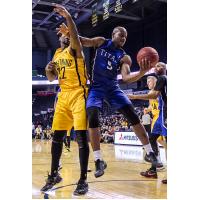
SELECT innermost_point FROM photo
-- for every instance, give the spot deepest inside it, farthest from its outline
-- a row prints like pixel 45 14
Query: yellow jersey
pixel 71 71
pixel 154 107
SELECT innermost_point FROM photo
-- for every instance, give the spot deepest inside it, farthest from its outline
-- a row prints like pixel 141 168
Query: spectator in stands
pixel 38 132
pixel 110 138
pixel 116 128
pixel 105 136
pixel 33 131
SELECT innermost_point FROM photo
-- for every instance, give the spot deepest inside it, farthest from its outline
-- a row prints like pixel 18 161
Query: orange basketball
pixel 149 53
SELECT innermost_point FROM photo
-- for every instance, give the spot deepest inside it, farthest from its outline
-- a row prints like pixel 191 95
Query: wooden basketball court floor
pixel 120 181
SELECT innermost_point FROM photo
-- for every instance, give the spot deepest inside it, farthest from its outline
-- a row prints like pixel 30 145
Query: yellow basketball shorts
pixel 71 110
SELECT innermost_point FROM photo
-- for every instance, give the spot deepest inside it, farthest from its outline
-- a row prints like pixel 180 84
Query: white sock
pixel 97 155
pixel 148 148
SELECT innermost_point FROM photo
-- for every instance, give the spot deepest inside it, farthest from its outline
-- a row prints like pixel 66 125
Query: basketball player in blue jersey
pixel 111 59
pixel 160 92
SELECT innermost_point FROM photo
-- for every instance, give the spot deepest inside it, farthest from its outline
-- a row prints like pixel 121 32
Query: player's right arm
pixel 51 72
pixel 86 42
pixel 92 42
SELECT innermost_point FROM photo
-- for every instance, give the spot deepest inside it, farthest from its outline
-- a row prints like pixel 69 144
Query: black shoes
pixel 150 173
pixel 82 188
pixel 51 181
pixel 100 166
pixel 164 181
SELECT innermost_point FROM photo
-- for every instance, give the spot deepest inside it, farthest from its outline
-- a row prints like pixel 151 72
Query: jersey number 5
pixel 109 66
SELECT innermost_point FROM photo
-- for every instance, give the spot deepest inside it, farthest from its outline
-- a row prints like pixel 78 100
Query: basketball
pixel 149 53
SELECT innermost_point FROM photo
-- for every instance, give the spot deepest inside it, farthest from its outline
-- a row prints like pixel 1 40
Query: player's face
pixel 160 69
pixel 64 40
pixel 119 37
pixel 151 83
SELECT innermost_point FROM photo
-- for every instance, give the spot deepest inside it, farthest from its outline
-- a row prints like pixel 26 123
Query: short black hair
pixel 118 28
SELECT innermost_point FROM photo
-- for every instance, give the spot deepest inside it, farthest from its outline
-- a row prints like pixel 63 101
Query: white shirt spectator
pixel 146 119
pixel 33 127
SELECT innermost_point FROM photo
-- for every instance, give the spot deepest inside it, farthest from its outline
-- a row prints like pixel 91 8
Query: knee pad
pixel 129 112
pixel 93 117
pixel 58 136
pixel 82 139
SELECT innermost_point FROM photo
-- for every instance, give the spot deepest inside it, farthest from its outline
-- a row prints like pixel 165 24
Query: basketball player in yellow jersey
pixel 68 65
pixel 155 130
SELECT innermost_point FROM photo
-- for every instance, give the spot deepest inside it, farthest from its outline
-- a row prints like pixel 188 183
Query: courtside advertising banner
pixel 128 138
pixel 124 152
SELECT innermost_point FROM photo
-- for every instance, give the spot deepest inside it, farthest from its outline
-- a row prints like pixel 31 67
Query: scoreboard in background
pixel 94 16
pixel 106 13
pixel 118 6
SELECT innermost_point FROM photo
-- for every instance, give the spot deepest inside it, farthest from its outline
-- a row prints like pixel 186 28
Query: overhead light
pixel 133 1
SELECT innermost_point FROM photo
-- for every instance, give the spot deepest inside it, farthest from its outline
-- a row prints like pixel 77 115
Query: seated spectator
pixel 38 132
pixel 33 131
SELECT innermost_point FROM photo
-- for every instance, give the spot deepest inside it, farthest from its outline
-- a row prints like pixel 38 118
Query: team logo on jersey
pixel 104 53
pixel 65 62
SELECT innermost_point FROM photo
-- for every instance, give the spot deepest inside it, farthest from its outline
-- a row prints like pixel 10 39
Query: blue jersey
pixel 104 84
pixel 107 65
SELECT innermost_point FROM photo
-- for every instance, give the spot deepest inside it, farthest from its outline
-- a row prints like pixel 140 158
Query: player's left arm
pixel 126 63
pixel 75 43
pixel 153 94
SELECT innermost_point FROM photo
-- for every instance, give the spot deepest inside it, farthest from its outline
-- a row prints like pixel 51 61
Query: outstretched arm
pixel 92 42
pixel 74 39
pixel 151 95
pixel 86 42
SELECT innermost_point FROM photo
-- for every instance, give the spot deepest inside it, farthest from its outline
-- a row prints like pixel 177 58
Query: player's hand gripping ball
pixel 148 53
